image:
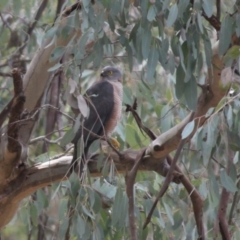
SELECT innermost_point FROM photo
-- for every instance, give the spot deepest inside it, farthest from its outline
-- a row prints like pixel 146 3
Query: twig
pixel 196 200
pixel 168 178
pixel 3 74
pixel 234 204
pixel 216 161
pixel 5 23
pixel 223 204
pixel 4 112
pixel 132 109
pixel 166 183
pixel 73 7
pixel 70 217
pixel 218 5
pixel 32 26
pixel 58 9
pixel 44 138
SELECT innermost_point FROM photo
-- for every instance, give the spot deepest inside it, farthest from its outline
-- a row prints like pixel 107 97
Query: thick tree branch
pixel 9 141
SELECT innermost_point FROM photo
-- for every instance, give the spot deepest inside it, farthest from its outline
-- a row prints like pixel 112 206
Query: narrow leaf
pixel 227 182
pixel 225 34
pixel 172 16
pixel 208 7
pixel 188 129
pixel 82 105
pixel 56 53
pixel 152 11
pixel 152 63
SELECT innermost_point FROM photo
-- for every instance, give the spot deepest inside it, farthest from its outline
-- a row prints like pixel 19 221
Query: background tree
pixel 179 59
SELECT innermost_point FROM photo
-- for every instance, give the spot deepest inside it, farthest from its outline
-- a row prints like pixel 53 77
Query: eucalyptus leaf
pixel 55 67
pixel 227 182
pixel 152 63
pixel 152 12
pixel 188 129
pixel 208 7
pixel 82 105
pixel 225 34
pixel 172 16
pixel 67 138
pixel 56 54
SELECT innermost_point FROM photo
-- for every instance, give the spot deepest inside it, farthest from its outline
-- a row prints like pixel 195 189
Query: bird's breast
pixel 117 107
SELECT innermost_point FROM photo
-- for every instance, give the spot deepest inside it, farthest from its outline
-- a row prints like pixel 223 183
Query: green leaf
pixel 208 7
pixel 146 42
pixel 67 138
pixel 232 53
pixel 56 53
pixel 81 226
pixel 166 118
pixel 238 24
pixel 208 51
pixel 179 86
pixel 119 209
pixel 209 112
pixel 169 213
pixel 82 105
pixel 227 182
pixel 111 22
pixel 98 50
pixel 152 63
pixel 190 93
pixel 225 34
pixel 50 32
pixel 34 214
pixel 172 16
pixel 229 116
pixel 188 129
pixel 152 12
pixel 55 67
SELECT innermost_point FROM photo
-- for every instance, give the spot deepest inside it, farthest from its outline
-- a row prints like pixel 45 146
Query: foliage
pixel 164 48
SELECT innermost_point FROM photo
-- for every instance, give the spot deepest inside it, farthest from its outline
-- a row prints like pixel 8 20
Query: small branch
pixel 168 178
pixel 59 8
pixel 196 200
pixel 77 5
pixel 2 74
pixel 70 217
pixel 37 16
pixel 4 22
pixel 130 180
pixel 221 222
pixel 166 183
pixel 4 113
pixel 218 5
pixel 234 204
pixel 132 109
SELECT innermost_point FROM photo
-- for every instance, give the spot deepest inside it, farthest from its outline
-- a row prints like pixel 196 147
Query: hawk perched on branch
pixel 104 99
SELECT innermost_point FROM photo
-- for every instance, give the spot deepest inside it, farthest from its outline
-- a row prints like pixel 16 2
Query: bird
pixel 104 100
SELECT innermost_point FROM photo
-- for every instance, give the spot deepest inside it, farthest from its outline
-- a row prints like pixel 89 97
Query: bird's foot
pixel 115 143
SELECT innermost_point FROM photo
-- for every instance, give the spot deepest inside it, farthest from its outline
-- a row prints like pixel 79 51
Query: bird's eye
pixel 110 72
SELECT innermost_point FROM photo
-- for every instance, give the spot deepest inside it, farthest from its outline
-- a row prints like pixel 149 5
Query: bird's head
pixel 111 73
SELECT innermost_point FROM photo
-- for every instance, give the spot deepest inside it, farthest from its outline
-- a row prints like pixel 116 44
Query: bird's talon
pixel 115 143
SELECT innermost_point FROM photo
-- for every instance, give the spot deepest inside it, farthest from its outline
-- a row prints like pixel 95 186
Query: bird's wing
pixel 100 100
